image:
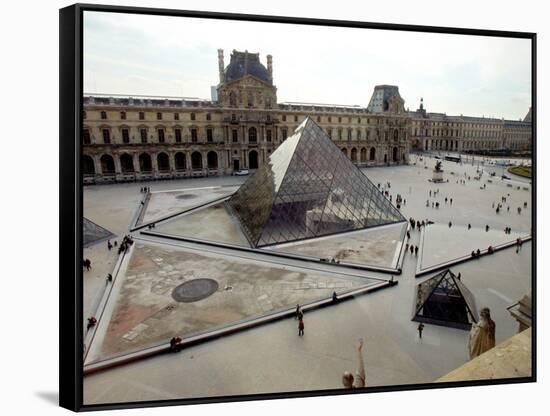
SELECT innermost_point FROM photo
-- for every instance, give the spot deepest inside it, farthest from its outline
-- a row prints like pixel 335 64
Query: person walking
pixel 301 327
pixel 298 311
pixel 416 251
pixel 420 329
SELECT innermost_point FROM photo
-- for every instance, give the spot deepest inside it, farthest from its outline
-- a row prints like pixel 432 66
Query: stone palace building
pixel 142 138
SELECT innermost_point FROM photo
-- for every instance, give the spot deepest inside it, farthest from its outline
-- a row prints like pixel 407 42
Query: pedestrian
pixel 450 224
pixel 109 278
pixel 408 235
pixel 519 210
pixel 334 297
pixel 298 311
pixel 407 247
pixel 412 249
pixel 88 264
pixel 459 276
pixel 469 226
pixel 451 201
pixel 430 193
pixel 109 245
pixel 301 328
pixel 487 228
pixel 508 209
pixel 91 322
pixel 428 203
pixel 445 200
pixel 416 251
pixel 420 329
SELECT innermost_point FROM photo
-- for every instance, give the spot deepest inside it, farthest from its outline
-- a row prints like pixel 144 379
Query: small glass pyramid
pixel 308 188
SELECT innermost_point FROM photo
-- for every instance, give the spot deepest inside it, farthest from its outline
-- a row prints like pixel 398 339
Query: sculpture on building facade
pixel 482 334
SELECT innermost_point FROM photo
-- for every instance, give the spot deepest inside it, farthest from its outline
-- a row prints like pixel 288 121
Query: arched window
pixel 181 163
pixel 252 135
pixel 196 160
pixel 354 154
pixel 107 164
pixel 163 162
pixel 372 153
pixel 126 163
pixel 212 159
pixel 253 159
pixel 232 98
pixel 145 164
pixel 88 167
pixel 395 135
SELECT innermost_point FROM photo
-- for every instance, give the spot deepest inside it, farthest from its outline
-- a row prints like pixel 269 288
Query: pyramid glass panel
pixel 308 188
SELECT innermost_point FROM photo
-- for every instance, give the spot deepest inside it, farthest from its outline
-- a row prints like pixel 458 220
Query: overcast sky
pixel 175 56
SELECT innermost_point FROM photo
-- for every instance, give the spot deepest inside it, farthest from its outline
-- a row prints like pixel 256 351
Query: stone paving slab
pixel 145 313
pixel 211 223
pixel 441 243
pixel 165 203
pixel 373 247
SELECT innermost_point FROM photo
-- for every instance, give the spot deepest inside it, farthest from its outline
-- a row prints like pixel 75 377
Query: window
pixel 143 134
pixel 252 135
pixel 86 136
pixel 176 116
pixel 208 116
pixel 268 102
pixel 340 134
pixel 177 132
pixel 123 115
pixel 232 99
pixel 193 116
pixel 106 136
pixel 209 137
pixel 295 118
pixel 339 119
pixel 103 115
pixel 125 136
pixel 160 133
pixel 233 117
pixel 235 136
pixel 284 117
pixel 358 134
pixel 84 115
pixel 349 134
pixel 194 136
pixel 329 119
pixel 284 133
pixel 141 115
pixel 268 135
pixel 250 100
pixel 318 119
pixel 159 116
pixel 359 120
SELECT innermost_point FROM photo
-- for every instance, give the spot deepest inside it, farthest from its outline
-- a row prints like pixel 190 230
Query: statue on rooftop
pixel 482 334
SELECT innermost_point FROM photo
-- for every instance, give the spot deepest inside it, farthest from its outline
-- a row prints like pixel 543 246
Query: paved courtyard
pixel 273 358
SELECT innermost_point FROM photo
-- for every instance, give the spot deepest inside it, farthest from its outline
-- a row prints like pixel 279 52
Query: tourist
pixel 91 322
pixel 469 226
pixel 359 381
pixel 408 235
pixel 519 210
pixel 437 205
pixel 175 344
pixel 427 203
pixel 412 249
pixel 109 245
pixel 450 224
pixel 490 250
pixel 478 252
pixel 407 247
pixel 487 228
pixel 416 251
pixel 445 200
pixel 109 277
pixel 298 311
pixel 451 200
pixel 88 264
pixel 459 276
pixel 334 297
pixel 420 329
pixel 301 327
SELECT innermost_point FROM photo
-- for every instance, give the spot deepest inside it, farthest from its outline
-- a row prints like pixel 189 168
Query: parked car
pixel 242 172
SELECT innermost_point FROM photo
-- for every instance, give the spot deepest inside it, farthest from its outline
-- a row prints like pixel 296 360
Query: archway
pixel 181 163
pixel 372 153
pixel 163 162
pixel 107 164
pixel 363 155
pixel 354 154
pixel 385 158
pixel 145 164
pixel 212 159
pixel 88 167
pixel 126 163
pixel 253 159
pixel 345 151
pixel 196 160
pixel 395 157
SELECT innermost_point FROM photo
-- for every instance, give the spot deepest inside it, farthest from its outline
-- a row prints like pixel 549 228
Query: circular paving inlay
pixel 194 290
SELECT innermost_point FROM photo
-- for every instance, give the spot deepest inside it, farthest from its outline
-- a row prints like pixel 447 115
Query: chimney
pixel 270 66
pixel 221 66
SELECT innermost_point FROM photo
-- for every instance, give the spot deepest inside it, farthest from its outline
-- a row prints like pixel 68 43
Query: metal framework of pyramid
pixel 445 300
pixel 308 188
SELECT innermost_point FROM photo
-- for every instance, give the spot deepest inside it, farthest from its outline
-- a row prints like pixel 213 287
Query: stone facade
pixel 437 131
pixel 144 138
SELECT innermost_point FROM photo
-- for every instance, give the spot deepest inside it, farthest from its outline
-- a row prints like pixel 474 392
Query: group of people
pixel 127 241
pixel 111 245
pixel 145 189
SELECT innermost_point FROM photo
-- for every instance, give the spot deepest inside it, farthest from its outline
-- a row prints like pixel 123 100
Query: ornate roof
pixel 245 63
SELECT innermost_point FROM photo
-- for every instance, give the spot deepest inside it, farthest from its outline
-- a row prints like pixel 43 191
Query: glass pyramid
pixel 308 188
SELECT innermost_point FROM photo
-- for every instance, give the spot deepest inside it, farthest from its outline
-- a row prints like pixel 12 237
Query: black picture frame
pixel 71 206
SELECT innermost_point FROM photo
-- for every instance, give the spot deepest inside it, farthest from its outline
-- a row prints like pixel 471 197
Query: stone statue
pixel 482 334
pixel 359 380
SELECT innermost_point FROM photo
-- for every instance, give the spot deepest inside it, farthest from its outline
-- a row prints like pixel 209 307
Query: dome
pixel 244 63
